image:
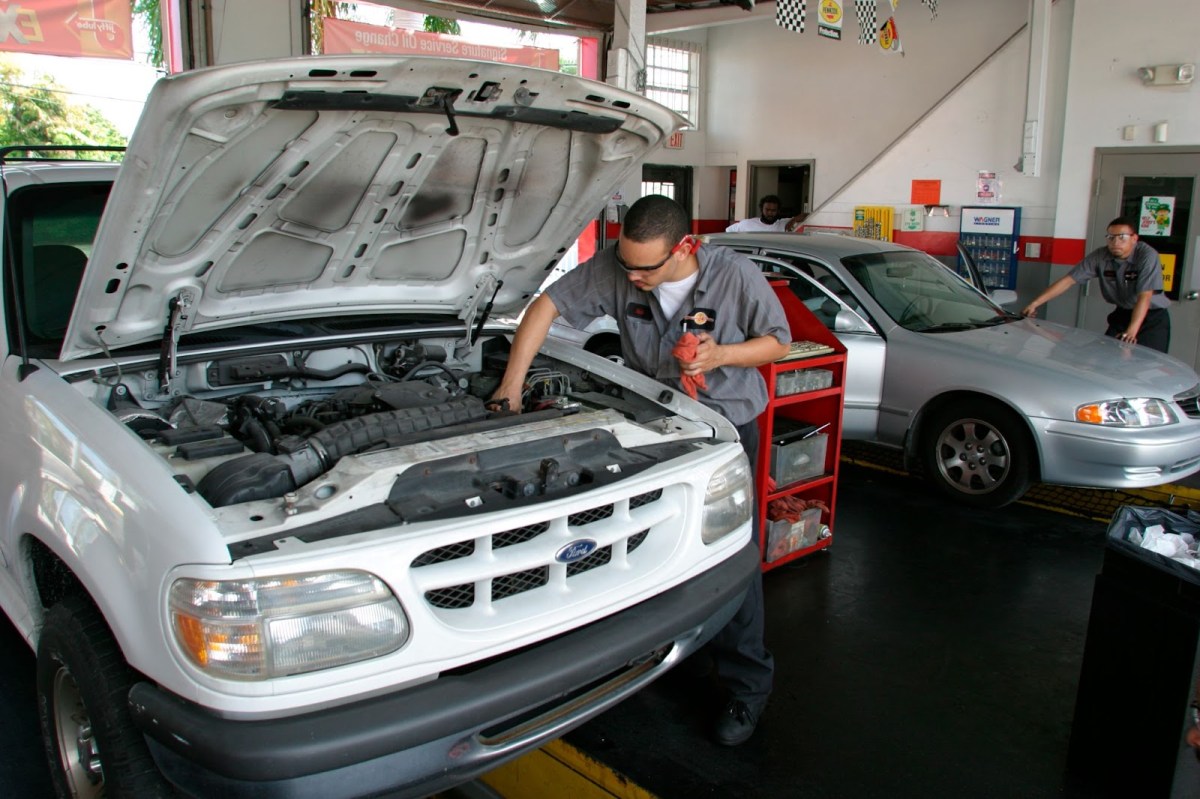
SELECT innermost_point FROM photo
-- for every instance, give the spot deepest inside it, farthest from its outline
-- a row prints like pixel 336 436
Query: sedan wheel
pixel 978 455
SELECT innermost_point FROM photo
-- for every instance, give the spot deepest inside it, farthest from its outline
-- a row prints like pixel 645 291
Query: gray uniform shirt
pixel 1122 281
pixel 735 299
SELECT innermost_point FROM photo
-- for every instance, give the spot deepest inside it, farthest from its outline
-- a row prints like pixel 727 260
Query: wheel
pixel 919 308
pixel 978 453
pixel 82 685
pixel 607 347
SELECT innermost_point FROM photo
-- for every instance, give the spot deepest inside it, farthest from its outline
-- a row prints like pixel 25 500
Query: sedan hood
pixel 355 184
pixel 1070 357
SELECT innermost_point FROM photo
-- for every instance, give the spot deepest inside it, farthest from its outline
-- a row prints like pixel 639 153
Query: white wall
pixel 978 127
pixel 1111 39
pixel 777 95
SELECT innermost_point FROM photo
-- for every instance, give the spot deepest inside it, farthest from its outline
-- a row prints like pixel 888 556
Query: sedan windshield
pixel 921 294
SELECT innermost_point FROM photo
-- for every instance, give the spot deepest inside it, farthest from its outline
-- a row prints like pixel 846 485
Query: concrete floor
pixel 932 651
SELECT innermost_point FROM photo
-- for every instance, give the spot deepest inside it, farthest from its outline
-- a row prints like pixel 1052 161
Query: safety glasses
pixel 631 269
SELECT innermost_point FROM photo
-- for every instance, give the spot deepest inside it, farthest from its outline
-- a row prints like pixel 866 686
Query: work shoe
pixel 736 723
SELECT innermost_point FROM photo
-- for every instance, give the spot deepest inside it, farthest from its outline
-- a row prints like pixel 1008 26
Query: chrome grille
pixel 491 587
pixel 1189 401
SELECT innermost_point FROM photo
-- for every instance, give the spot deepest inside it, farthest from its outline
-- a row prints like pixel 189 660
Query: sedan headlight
pixel 728 501
pixel 1139 412
pixel 291 624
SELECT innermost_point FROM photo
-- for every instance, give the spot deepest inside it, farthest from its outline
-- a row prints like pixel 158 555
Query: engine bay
pixel 262 427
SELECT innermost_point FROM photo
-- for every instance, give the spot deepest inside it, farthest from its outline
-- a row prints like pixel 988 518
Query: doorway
pixel 791 181
pixel 1158 191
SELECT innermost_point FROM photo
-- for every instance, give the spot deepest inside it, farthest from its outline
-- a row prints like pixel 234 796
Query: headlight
pixel 290 624
pixel 728 501
pixel 1140 412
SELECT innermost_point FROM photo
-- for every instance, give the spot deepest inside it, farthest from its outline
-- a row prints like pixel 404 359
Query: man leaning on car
pixel 1130 278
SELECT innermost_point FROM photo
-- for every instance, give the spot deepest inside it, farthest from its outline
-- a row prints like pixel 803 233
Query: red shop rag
pixel 685 351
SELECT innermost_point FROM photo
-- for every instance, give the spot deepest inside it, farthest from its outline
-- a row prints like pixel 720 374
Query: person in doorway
pixel 657 282
pixel 1130 278
pixel 768 219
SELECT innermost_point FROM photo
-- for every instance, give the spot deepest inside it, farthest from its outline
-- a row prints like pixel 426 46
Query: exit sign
pixel 675 142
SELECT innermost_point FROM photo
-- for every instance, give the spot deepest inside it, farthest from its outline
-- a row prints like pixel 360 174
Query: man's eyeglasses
pixel 630 269
pixel 1116 236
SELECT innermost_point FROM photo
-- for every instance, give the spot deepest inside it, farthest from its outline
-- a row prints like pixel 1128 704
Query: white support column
pixel 627 58
pixel 1035 90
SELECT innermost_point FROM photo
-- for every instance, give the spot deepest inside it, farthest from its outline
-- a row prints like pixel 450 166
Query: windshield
pixel 921 294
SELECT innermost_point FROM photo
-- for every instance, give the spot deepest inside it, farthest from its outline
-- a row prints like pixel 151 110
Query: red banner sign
pixel 95 28
pixel 342 36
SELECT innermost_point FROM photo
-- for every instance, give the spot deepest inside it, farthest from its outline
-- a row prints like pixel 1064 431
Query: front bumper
pixel 1087 455
pixel 427 738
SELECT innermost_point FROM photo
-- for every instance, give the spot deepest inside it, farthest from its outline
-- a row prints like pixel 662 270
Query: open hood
pixel 310 187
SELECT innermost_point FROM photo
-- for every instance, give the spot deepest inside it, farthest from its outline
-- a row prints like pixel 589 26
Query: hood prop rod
pixel 487 312
pixel 167 358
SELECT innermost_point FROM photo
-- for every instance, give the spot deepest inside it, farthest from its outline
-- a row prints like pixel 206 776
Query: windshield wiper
pixel 946 327
pixel 1001 319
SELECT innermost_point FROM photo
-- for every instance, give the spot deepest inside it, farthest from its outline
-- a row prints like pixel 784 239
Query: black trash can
pixel 1139 672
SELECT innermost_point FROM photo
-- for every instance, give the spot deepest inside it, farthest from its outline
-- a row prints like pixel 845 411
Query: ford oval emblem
pixel 576 550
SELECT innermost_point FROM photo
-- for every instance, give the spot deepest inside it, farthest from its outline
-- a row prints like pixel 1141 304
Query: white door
pixel 1158 191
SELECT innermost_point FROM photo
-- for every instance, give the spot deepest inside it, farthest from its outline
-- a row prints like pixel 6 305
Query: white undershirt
pixel 672 295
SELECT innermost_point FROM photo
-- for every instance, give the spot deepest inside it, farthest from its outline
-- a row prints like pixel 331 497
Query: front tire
pixel 980 454
pixel 83 686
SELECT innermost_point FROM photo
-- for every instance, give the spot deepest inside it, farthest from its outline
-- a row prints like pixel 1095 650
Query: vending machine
pixel 990 235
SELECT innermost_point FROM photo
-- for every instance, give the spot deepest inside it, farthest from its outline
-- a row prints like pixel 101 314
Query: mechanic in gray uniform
pixel 1131 279
pixel 658 282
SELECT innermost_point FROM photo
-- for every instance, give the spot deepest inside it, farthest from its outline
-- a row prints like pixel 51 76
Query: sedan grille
pixel 1189 401
pixel 470 573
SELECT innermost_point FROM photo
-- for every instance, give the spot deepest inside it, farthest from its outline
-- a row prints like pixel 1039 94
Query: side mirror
pixel 849 322
pixel 1003 297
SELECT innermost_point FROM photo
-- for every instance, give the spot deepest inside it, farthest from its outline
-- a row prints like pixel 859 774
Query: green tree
pixel 35 110
pixel 150 13
pixel 442 25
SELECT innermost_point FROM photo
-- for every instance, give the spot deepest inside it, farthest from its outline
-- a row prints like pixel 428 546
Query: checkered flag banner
pixel 932 6
pixel 868 22
pixel 789 14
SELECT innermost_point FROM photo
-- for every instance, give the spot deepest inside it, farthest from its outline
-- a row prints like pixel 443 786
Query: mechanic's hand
pixel 1029 310
pixel 708 356
pixel 505 399
pixel 1127 337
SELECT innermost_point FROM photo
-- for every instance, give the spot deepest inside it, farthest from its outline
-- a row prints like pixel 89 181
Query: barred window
pixel 654 187
pixel 673 77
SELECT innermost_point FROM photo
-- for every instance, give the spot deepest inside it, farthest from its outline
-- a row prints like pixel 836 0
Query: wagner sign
pixel 342 36
pixel 96 28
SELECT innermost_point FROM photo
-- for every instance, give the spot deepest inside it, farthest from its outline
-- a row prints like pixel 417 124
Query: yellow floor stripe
pixel 559 770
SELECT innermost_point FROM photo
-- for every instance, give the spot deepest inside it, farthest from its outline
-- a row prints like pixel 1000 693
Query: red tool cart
pixel 800 439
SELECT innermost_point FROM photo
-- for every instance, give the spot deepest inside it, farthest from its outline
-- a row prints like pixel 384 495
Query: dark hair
pixel 1122 221
pixel 770 198
pixel 655 217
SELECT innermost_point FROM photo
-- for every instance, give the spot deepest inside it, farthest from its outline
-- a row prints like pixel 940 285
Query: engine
pixel 306 411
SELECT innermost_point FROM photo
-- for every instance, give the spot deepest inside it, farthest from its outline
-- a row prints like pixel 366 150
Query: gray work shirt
pixel 737 302
pixel 1122 281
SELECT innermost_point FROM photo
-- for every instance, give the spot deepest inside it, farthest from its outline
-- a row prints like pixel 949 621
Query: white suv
pixel 261 524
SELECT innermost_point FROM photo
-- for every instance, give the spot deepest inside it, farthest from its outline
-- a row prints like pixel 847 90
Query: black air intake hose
pixel 263 476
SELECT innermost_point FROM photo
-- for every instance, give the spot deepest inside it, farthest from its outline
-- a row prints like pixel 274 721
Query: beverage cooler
pixel 990 235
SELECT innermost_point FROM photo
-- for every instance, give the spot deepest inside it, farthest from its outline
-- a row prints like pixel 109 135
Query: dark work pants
pixel 1155 332
pixel 744 665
